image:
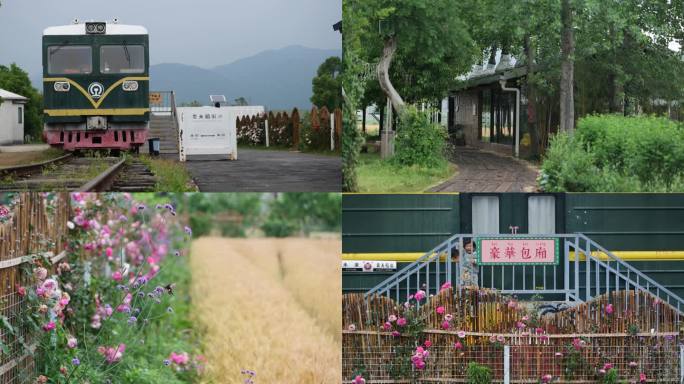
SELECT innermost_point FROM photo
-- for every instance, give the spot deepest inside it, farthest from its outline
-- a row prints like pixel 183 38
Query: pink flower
pixel 401 321
pixel 458 345
pixel 633 364
pixel 445 286
pixel 642 378
pixel 49 326
pixel 351 327
pixel 578 343
pixel 559 354
pixel 359 380
pixel 500 338
pixel 396 333
pixel 440 310
pixel 387 326
pixel 607 366
pixel 109 252
pixel 420 295
pixel 602 371
pixel 21 291
pixel 445 324
pixel 71 342
pixel 40 273
pixel 546 378
pixel 525 318
pixel 519 324
pixel 112 355
pixel 392 318
pixel 427 343
pixel 448 317
pixel 609 309
pixel 539 331
pixel 512 304
pixel 179 358
pixel 117 276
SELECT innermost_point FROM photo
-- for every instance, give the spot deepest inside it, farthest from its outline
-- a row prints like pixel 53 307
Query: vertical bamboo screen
pixel 38 225
pixel 641 329
pixel 320 120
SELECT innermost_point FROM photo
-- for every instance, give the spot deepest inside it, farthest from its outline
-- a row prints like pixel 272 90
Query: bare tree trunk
pixel 567 102
pixel 363 124
pixel 532 118
pixel 383 74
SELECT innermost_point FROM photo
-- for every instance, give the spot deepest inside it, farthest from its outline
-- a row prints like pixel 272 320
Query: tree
pixel 567 100
pixel 241 101
pixel 327 85
pixel 16 80
pixel 421 47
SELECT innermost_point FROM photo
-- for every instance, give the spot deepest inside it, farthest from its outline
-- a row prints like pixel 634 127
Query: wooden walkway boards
pixel 480 171
pixel 259 170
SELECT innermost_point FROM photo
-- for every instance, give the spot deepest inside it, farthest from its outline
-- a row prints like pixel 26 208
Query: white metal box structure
pixel 211 130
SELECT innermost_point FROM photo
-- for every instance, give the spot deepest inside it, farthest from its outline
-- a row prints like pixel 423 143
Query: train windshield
pixel 70 59
pixel 122 59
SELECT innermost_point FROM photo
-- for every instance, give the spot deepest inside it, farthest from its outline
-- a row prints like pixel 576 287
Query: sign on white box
pixel 210 130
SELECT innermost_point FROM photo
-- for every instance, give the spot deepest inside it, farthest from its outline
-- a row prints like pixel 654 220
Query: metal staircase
pixel 164 123
pixel 585 270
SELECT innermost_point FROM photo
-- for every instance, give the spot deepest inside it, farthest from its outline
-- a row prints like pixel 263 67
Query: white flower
pixel 71 225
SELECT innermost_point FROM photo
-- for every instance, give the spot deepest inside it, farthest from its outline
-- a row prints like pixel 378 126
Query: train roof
pixel 79 29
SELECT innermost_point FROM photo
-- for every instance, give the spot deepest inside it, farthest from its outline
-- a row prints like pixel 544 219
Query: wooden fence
pixel 638 336
pixel 31 225
pixel 289 130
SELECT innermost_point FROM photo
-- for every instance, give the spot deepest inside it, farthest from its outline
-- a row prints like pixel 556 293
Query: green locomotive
pixel 96 86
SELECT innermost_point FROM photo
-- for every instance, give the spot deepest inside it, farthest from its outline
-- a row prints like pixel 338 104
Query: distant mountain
pixel 277 79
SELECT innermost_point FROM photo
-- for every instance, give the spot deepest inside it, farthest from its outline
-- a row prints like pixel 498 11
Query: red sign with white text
pixel 517 251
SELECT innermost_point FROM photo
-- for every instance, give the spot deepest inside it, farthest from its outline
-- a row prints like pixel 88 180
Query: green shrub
pixel 479 374
pixel 418 141
pixel 278 228
pixel 567 166
pixel 201 225
pixel 613 153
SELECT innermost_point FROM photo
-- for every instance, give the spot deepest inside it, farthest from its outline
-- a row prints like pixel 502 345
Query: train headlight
pixel 62 86
pixel 130 86
pixel 96 28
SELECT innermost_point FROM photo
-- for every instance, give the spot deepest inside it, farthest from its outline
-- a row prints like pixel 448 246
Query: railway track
pixel 83 174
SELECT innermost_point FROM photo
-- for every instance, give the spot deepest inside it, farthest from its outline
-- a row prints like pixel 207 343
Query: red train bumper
pixel 110 139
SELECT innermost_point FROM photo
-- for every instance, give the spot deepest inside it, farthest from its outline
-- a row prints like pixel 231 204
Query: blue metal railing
pixel 585 270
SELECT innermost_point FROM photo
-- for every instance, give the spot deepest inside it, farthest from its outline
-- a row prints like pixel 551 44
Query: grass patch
pixel 172 176
pixel 10 159
pixel 376 175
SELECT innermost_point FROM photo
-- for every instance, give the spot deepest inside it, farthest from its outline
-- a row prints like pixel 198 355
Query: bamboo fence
pixel 285 130
pixel 641 329
pixel 37 227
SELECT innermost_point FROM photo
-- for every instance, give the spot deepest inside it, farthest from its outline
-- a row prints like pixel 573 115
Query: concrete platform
pixel 267 171
pixel 23 148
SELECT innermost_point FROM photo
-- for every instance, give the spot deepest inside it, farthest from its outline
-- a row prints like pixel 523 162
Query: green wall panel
pixel 397 223
pixel 628 221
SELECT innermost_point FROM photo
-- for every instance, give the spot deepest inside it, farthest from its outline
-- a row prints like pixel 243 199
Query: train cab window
pixel 485 214
pixel 70 60
pixel 122 59
pixel 541 214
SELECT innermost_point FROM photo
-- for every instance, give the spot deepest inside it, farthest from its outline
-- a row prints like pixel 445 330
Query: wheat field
pixel 271 306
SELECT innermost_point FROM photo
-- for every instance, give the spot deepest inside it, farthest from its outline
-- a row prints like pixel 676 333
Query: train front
pixel 96 86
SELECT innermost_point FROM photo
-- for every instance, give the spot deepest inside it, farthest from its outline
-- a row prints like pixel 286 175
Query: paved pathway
pixel 267 171
pixel 480 171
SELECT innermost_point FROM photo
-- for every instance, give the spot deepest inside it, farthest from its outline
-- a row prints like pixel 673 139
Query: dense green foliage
pixel 353 23
pixel 418 141
pixel 327 85
pixel 616 153
pixel 292 213
pixel 478 374
pixel 16 80
pixel 276 215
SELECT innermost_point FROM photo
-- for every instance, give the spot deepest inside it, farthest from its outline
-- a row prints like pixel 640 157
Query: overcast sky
pixel 205 33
